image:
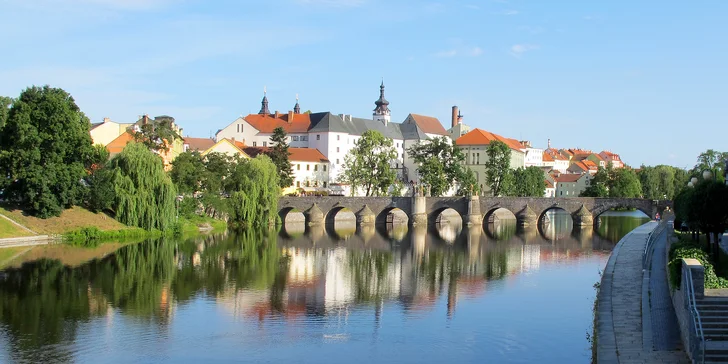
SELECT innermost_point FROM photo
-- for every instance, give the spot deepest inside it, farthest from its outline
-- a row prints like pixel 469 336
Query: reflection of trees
pixel 370 275
pixel 503 229
pixel 615 227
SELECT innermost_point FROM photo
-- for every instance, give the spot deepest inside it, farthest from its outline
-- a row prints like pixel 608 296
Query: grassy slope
pixel 10 230
pixel 71 219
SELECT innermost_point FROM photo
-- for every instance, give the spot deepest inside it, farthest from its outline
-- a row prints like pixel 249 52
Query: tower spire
pixel 264 104
pixel 382 112
pixel 297 108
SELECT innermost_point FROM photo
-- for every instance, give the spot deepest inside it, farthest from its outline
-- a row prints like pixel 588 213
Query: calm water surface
pixel 385 294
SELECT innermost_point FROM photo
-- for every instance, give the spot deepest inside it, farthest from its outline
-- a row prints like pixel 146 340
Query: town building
pixel 474 145
pixel 534 156
pixel 583 166
pixel 206 146
pixel 612 158
pixel 458 128
pixel 334 135
pixel 556 160
pixel 571 184
pixel 310 168
pixel 102 132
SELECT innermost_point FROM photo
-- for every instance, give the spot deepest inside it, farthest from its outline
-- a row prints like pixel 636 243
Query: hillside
pixel 71 219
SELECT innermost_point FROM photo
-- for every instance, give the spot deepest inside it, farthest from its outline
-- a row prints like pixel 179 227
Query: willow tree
pixel 254 192
pixel 145 195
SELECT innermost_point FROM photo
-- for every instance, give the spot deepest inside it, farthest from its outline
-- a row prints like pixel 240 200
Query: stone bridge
pixel 421 210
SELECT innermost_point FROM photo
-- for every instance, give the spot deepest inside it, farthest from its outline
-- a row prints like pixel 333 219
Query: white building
pixel 534 156
pixel 310 168
pixel 335 135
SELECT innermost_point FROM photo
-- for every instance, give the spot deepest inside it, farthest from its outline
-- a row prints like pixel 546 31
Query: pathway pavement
pixel 621 335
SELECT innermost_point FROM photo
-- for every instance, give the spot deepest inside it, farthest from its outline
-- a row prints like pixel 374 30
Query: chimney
pixel 106 120
pixel 277 114
pixel 455 118
pixel 145 119
pixel 549 143
pixel 290 116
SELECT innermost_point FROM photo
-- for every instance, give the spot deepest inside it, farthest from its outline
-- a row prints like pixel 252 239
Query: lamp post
pixel 707 174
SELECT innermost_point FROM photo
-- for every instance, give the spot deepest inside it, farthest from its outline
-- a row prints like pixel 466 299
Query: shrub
pixel 686 250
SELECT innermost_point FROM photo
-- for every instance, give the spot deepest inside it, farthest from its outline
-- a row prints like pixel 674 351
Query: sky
pixel 645 79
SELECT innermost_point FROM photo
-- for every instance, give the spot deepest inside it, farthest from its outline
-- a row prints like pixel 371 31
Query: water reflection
pixel 302 275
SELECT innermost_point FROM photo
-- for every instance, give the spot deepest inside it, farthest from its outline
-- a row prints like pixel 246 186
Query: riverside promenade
pixel 636 322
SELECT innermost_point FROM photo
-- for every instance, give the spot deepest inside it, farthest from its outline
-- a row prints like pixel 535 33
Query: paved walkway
pixel 665 329
pixel 621 335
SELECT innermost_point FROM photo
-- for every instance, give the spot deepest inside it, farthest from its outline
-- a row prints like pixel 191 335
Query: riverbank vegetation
pixel 687 248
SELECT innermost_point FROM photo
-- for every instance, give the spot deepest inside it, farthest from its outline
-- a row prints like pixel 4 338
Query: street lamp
pixel 707 174
pixel 694 181
pixel 690 184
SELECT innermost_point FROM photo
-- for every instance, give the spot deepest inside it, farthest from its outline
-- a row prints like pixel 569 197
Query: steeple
pixel 264 104
pixel 381 112
pixel 297 108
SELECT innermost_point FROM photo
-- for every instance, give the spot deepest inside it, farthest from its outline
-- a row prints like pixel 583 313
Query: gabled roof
pixel 296 154
pixel 482 137
pixel 118 144
pixel 199 144
pixel 548 183
pixel 95 125
pixel 237 145
pixel 567 177
pixel 298 123
pixel 328 122
pixel 428 124
pixel 547 157
pixel 609 155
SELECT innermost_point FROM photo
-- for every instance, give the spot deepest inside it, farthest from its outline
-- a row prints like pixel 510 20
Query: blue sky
pixel 645 79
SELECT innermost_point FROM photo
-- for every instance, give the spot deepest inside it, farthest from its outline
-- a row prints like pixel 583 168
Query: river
pixel 418 295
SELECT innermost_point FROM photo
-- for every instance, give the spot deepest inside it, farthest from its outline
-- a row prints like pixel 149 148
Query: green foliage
pixel 5 103
pixel 468 185
pixel 440 165
pixel 254 192
pixel 101 192
pixel 497 168
pixel 529 182
pixel 368 164
pixel 688 249
pixel 188 172
pixel 625 184
pixel 279 155
pixel 91 236
pixel 158 134
pixel 710 160
pixel 661 182
pixel 45 148
pixel 145 195
pixel 595 190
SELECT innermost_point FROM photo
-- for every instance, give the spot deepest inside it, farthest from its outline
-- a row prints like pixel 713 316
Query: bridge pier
pixel 527 217
pixel 314 216
pixel 365 216
pixel 474 216
pixel 419 210
pixel 583 217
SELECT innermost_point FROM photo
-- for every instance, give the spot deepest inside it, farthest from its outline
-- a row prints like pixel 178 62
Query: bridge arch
pixel 392 215
pixel 498 213
pixel 445 215
pixel 291 215
pixel 558 225
pixel 340 214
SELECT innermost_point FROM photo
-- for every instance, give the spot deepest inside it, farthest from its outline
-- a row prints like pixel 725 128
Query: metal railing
pixel 697 346
pixel 651 238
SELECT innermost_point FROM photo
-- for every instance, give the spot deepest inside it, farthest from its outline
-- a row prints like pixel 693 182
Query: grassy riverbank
pixel 71 219
pixel 10 230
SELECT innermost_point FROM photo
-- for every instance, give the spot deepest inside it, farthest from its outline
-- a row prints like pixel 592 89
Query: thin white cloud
pixel 511 12
pixel 476 51
pixel 517 50
pixel 460 51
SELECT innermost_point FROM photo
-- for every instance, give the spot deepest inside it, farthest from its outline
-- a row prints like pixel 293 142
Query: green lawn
pixel 10 230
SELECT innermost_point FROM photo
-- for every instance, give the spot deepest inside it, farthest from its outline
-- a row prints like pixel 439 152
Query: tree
pixel 468 184
pixel 529 182
pixel 5 103
pixel 595 190
pixel 254 192
pixel 145 195
pixel 368 164
pixel 45 148
pixel 710 160
pixel 279 155
pixel 497 166
pixel 440 165
pixel 625 184
pixel 188 172
pixel 158 134
pixel 100 195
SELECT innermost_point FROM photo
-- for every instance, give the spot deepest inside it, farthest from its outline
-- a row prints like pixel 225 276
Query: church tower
pixel 297 107
pixel 264 104
pixel 381 112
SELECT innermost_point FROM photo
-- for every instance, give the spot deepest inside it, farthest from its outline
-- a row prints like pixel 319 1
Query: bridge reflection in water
pixel 287 291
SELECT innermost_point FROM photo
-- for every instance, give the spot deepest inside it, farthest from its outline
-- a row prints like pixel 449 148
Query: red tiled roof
pixel 567 177
pixel 555 154
pixel 199 144
pixel 267 123
pixel 429 124
pixel 548 184
pixel 609 155
pixel 297 154
pixel 547 157
pixel 589 164
pixel 118 144
pixel 482 137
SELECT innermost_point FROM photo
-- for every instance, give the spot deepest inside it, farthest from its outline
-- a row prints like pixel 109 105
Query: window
pixel 324 184
pixel 308 183
pixel 265 144
pixel 315 167
pixel 337 149
pixel 338 137
pixel 238 128
pixel 298 183
pixel 294 138
pixel 308 167
pixel 304 138
pixel 477 158
pixel 337 160
pixel 324 168
pixel 318 136
pixel 397 145
pixel 298 167
pixel 396 165
pixel 315 183
pixel 561 193
pixel 255 144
